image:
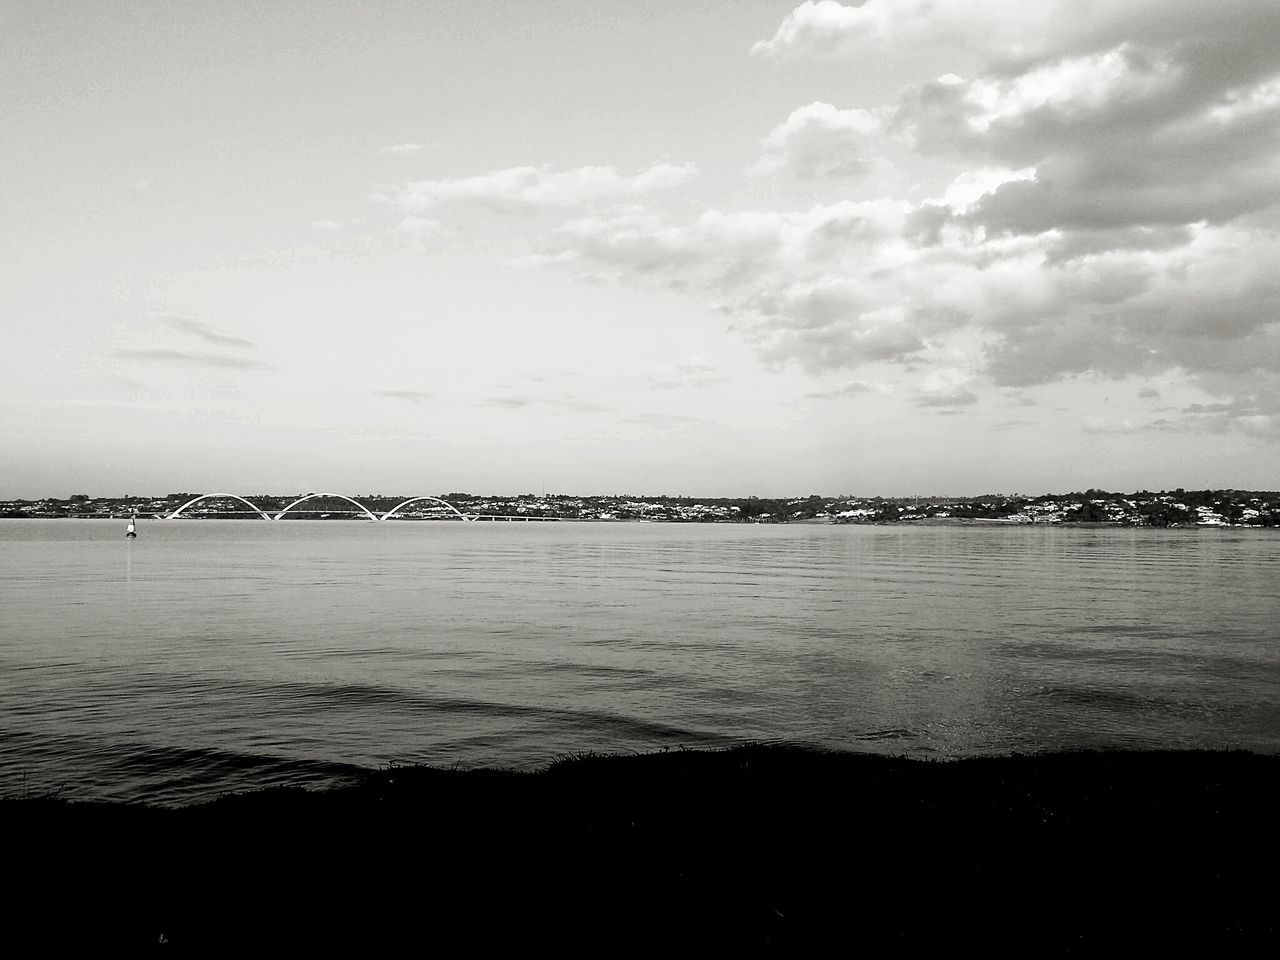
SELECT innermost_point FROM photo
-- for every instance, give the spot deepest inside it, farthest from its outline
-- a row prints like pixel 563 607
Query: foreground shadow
pixel 761 847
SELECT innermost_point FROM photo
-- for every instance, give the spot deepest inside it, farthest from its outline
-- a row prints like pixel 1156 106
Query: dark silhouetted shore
pixel 760 847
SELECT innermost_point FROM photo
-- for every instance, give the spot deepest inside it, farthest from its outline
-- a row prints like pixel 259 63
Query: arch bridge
pixel 336 496
pixel 360 507
pixel 445 503
pixel 218 496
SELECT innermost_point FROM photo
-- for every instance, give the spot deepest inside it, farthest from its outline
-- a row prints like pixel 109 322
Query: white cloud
pixel 1107 425
pixel 850 388
pixel 947 387
pixel 1106 203
pixel 725 250
pixel 690 373
pixel 1071 87
pixel 972 185
pixel 555 401
pixel 159 356
pixel 545 186
pixel 400 150
pixel 827 29
pixel 1247 102
pixel 407 396
pixel 420 229
pixel 326 225
pixel 820 141
pixel 842 286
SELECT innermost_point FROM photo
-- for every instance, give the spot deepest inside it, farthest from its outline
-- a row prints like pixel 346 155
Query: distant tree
pixel 1158 514
pixel 1088 512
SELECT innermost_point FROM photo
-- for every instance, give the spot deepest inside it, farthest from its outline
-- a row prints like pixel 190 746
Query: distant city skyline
pixel 763 249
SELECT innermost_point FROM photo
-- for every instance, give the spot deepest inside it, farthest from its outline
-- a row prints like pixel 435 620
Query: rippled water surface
pixel 209 656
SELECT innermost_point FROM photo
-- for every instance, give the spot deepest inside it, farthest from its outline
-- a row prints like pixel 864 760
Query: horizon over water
pixel 212 656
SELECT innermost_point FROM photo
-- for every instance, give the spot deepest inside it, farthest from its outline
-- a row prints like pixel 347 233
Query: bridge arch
pixel 219 496
pixel 446 503
pixel 339 496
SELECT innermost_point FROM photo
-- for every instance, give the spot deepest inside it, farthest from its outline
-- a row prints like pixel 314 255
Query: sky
pixel 713 249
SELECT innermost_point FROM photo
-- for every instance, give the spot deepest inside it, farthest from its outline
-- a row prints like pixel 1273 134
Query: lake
pixel 217 655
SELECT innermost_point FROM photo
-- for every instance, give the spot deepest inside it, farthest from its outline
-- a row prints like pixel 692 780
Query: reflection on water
pixel 215 655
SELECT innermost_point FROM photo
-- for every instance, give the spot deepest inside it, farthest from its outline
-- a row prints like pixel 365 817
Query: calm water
pixel 209 656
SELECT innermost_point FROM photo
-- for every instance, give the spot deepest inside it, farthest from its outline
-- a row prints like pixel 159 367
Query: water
pixel 210 656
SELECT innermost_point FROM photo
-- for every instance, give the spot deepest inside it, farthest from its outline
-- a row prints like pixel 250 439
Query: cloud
pixel 326 225
pixel 820 141
pixel 205 332
pixel 827 29
pixel 400 150
pixel 842 285
pixel 818 285
pixel 1101 199
pixel 945 388
pixel 558 401
pixel 828 326
pixel 720 250
pixel 1146 129
pixel 544 186
pixel 955 398
pixel 1104 425
pixel 660 420
pixel 419 230
pixel 1077 244
pixel 1208 308
pixel 408 396
pixel 691 373
pixel 849 388
pixel 811 29
pixel 1002 32
pixel 190 358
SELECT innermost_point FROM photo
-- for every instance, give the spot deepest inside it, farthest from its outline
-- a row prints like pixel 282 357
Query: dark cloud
pixel 1131 124
pixel 1089 243
pixel 1044 352
pixel 1011 424
pixel 205 332
pixel 960 397
pixel 1085 202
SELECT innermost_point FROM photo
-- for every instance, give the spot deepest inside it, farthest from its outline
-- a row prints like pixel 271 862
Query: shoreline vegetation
pixel 760 846
pixel 1173 508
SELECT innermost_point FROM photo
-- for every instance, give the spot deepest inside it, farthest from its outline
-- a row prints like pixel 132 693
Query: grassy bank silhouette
pixel 758 846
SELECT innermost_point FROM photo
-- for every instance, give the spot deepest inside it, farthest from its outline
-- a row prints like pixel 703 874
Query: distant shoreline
pixel 1177 507
pixel 922 522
